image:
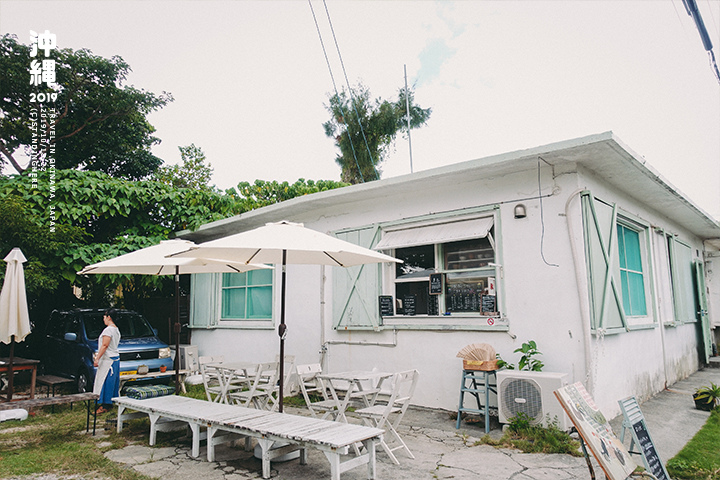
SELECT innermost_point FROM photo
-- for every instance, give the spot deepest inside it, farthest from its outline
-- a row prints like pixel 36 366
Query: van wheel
pixel 82 381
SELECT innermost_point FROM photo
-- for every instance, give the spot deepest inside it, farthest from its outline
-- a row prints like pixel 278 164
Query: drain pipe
pixel 323 346
pixel 582 297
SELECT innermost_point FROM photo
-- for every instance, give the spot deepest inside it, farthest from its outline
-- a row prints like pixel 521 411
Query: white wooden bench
pixel 297 432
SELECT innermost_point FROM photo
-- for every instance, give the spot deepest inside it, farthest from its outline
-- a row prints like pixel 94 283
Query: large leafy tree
pixel 192 173
pixel 262 193
pixel 365 128
pixel 101 124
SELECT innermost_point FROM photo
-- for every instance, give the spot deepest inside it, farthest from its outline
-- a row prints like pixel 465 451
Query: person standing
pixel 107 361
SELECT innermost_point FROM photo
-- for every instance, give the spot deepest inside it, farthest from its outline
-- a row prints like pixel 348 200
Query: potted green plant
pixel 707 398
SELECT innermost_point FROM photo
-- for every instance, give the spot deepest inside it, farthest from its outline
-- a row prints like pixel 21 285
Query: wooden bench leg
pixel 370 448
pixel 121 409
pixel 153 427
pixel 334 459
pixel 265 446
pixel 210 443
pixel 195 428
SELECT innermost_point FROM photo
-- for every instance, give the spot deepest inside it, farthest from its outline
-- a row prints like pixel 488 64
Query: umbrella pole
pixel 282 331
pixel 11 374
pixel 177 330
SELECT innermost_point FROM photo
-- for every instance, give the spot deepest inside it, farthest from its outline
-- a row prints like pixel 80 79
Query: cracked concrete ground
pixel 440 451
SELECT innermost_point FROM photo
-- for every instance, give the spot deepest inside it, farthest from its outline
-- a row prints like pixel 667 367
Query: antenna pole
pixel 407 108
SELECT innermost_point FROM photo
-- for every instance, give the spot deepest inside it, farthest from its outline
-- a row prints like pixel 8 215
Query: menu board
pixel 387 306
pixel 636 421
pixel 409 304
pixel 462 297
pixel 436 283
pixel 489 304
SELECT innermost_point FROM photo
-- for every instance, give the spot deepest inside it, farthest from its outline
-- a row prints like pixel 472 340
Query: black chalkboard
pixel 387 307
pixel 409 304
pixel 436 283
pixel 648 450
pixel 488 304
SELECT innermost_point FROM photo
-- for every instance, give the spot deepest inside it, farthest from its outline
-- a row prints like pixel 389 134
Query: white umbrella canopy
pixel 154 260
pixel 285 243
pixel 14 316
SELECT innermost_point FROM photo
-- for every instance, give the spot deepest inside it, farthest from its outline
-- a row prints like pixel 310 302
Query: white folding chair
pixel 378 415
pixel 212 377
pixel 309 382
pixel 273 393
pixel 259 388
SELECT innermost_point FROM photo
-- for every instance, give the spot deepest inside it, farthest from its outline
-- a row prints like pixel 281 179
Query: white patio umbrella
pixel 14 316
pixel 286 243
pixel 154 260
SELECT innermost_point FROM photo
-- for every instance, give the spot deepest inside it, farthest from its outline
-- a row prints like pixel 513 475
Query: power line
pixel 347 82
pixel 337 94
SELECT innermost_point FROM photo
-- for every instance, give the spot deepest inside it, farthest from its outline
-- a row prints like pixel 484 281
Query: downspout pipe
pixel 582 286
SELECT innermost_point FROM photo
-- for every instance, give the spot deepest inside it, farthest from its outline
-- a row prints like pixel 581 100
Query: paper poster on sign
pixel 491 286
pixel 610 453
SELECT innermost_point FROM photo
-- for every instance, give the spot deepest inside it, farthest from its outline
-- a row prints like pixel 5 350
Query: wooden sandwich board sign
pixel 592 426
pixel 635 421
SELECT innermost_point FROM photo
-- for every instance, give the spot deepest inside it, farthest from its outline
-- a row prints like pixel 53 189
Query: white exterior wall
pixel 541 299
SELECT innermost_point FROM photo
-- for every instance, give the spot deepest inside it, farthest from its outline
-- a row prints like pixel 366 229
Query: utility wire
pixel 692 10
pixel 337 94
pixel 347 82
pixel 542 221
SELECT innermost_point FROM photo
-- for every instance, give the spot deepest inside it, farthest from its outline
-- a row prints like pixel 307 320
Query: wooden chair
pixel 212 377
pixel 378 415
pixel 309 382
pixel 259 387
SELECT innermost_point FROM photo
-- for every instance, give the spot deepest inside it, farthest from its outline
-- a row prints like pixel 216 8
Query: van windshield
pixel 131 325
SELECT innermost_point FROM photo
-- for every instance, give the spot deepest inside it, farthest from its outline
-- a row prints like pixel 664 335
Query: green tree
pixel 193 173
pixel 100 123
pixel 262 193
pixel 364 129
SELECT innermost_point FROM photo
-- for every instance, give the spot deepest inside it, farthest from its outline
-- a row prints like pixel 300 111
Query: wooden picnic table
pixel 19 364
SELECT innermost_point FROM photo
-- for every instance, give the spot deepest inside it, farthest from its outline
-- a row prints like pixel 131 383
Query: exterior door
pixel 702 311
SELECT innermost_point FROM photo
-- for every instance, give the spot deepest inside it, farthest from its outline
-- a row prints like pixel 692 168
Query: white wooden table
pixel 232 376
pixel 357 387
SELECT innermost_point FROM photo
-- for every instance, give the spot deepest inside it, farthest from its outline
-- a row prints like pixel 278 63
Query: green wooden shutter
pixel 204 288
pixel 601 251
pixel 356 289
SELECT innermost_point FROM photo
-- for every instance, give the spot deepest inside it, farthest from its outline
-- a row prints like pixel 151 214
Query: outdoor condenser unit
pixel 189 357
pixel 531 393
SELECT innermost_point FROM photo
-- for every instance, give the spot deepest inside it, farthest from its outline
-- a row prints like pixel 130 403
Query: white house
pixel 579 245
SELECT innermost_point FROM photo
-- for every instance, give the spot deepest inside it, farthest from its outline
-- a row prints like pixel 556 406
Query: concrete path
pixel 441 452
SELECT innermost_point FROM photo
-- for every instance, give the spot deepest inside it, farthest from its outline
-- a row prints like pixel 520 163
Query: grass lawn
pixel 700 458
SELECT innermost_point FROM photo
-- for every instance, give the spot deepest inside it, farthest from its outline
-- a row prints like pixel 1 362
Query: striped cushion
pixel 149 391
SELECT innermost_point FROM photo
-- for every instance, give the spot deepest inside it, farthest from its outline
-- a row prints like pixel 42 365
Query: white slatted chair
pixel 212 377
pixel 309 382
pixel 193 365
pixel 289 372
pixel 379 415
pixel 258 388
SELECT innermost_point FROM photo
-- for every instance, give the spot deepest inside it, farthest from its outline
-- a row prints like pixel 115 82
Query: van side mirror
pixel 71 337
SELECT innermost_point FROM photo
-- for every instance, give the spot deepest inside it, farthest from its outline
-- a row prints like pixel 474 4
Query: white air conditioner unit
pixel 189 358
pixel 531 393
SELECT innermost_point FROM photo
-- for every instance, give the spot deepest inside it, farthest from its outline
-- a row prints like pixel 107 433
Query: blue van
pixel 71 339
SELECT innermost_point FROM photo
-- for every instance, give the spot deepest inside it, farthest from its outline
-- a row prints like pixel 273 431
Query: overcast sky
pixel 250 79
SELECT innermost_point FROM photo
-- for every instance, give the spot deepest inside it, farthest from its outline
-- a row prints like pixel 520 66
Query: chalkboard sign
pixel 635 421
pixel 387 307
pixel 436 283
pixel 488 304
pixel 409 304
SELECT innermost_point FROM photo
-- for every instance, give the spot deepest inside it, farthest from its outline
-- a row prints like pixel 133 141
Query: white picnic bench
pixel 295 432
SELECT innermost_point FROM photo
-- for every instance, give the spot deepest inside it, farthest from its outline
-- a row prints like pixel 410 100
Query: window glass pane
pixel 621 246
pixel 475 253
pixel 637 292
pixel 632 250
pixel 234 279
pixel 259 302
pixel 260 277
pixel 417 291
pixel 233 303
pixel 418 262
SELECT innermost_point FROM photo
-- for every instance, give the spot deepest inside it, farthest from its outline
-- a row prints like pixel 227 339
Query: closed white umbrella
pixel 285 243
pixel 14 316
pixel 154 260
